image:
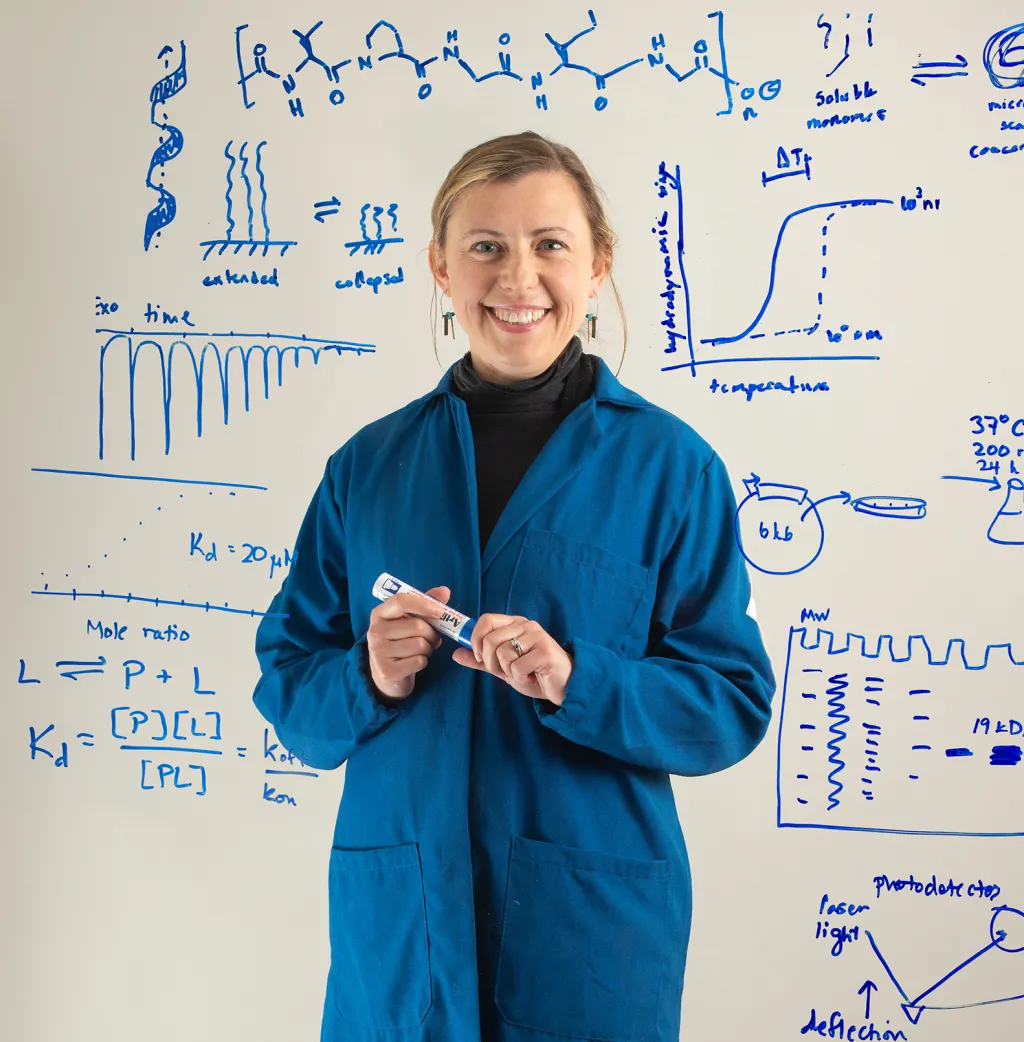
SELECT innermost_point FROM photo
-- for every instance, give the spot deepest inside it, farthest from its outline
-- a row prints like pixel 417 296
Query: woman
pixel 508 861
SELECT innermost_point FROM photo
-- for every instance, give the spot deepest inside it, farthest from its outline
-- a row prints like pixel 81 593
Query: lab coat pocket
pixel 584 942
pixel 379 958
pixel 577 589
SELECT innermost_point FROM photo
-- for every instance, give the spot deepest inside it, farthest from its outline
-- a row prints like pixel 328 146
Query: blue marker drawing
pixel 159 602
pixel 827 26
pixel 504 58
pixel 1007 526
pixel 896 718
pixel 221 347
pixel 373 242
pixel 780 531
pixel 679 323
pixel 949 69
pixel 600 78
pixel 794 163
pixel 399 52
pixel 254 64
pixel 171 142
pixel 1003 57
pixel 260 67
pixel 1006 935
pixel 326 208
pixel 257 232
pixel 146 477
pixel 767 91
pixel 833 207
pixel 306 43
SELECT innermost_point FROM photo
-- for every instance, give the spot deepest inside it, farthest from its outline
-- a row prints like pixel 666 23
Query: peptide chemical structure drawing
pixel 896 737
pixel 781 532
pixel 966 985
pixel 257 234
pixel 787 342
pixel 171 143
pixel 196 351
pixel 383 42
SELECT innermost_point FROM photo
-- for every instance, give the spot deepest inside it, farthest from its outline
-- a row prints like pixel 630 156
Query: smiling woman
pixel 520 245
pixel 508 863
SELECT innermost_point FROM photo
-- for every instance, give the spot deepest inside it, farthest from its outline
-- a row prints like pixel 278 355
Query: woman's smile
pixel 517 319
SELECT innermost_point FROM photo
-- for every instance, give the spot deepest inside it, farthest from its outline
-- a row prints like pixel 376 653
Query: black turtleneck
pixel 512 422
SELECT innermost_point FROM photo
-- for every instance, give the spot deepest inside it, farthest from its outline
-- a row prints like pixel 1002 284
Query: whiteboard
pixel 819 221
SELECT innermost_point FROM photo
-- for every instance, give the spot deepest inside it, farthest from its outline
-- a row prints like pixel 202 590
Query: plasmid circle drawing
pixel 778 527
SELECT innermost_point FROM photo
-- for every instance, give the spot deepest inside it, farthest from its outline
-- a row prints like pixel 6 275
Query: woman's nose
pixel 519 269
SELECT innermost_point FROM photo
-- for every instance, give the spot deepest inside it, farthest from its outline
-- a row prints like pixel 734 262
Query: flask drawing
pixel 1008 525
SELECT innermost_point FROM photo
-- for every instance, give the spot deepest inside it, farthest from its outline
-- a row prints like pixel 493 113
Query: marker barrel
pixel 452 624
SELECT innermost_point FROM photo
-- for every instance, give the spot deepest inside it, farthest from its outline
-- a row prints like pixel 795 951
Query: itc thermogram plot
pixel 201 357
pixel 248 228
pixel 898 736
pixel 761 336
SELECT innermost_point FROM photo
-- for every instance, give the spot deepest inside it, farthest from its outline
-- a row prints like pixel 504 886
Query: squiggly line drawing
pixel 244 159
pixel 171 142
pixel 263 191
pixel 255 238
pixel 837 713
pixel 227 194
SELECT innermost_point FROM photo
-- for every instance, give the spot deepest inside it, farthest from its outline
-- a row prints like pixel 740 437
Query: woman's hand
pixel 542 671
pixel 400 641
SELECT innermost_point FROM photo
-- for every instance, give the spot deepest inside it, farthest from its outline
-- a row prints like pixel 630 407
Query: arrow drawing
pixel 993 483
pixel 865 989
pixel 333 203
pixel 957 68
pixel 86 667
pixel 1004 922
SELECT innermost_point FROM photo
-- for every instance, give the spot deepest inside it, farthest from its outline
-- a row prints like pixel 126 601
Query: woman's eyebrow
pixel 536 231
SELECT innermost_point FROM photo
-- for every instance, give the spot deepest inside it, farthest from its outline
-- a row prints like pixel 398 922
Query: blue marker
pixel 452 623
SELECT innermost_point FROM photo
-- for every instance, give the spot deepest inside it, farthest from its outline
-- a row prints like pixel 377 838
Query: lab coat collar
pixel 572 444
pixel 606 387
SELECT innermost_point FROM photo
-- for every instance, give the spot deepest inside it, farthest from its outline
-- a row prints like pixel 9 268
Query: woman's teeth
pixel 519 317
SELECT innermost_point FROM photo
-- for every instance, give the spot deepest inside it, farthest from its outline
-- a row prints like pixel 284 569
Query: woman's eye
pixel 552 242
pixel 484 247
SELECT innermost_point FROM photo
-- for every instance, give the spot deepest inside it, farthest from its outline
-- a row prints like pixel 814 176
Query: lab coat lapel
pixel 563 456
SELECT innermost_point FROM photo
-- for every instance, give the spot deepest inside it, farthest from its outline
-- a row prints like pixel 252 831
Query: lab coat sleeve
pixel 700 700
pixel 315 687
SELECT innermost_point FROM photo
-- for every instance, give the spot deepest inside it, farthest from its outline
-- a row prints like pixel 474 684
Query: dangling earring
pixel 448 317
pixel 592 320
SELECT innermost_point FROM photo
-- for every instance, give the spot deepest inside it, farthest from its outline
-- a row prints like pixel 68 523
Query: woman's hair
pixel 509 158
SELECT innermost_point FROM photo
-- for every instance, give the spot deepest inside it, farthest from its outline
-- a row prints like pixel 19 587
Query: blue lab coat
pixel 503 869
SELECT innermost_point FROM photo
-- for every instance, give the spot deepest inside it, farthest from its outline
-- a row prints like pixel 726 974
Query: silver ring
pixel 515 643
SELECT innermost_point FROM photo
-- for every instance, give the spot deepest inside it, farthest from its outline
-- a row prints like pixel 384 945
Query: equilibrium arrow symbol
pixel 87 667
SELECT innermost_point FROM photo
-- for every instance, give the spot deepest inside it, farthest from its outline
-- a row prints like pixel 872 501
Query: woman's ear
pixel 598 274
pixel 438 265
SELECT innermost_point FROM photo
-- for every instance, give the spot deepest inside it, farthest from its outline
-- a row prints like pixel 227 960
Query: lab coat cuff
pixel 368 700
pixel 585 670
